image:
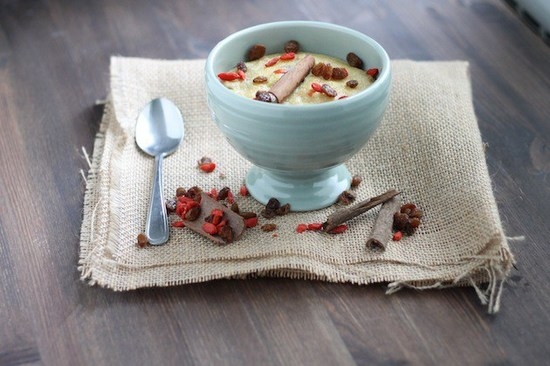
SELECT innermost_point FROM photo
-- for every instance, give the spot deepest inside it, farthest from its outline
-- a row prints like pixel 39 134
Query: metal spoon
pixel 159 132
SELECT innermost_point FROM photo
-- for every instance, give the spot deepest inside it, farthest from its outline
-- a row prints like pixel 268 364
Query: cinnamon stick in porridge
pixel 382 229
pixel 343 215
pixel 288 82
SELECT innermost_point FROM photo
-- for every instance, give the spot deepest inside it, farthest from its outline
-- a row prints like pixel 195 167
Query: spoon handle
pixel 156 228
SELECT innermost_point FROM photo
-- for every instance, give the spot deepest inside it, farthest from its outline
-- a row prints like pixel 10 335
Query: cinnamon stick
pixel 288 82
pixel 348 213
pixel 382 229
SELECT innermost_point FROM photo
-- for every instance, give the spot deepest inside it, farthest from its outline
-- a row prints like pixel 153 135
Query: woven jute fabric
pixel 428 147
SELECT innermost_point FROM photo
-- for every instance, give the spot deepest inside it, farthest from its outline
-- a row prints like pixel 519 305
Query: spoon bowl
pixel 159 132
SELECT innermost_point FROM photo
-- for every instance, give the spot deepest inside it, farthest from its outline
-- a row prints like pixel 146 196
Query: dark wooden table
pixel 54 58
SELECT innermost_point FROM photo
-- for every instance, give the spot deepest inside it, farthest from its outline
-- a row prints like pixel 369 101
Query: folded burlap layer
pixel 428 147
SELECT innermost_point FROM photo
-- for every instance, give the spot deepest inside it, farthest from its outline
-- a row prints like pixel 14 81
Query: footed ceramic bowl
pixel 298 152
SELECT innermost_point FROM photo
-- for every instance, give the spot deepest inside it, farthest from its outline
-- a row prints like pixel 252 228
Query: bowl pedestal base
pixel 304 191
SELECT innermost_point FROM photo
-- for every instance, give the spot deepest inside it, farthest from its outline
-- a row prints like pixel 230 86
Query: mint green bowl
pixel 298 151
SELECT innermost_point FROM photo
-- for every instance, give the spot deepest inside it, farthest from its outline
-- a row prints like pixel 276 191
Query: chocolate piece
pixel 234 220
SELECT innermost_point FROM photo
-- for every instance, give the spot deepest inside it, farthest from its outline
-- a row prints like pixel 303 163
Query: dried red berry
pixel 288 56
pixel 228 76
pixel 251 222
pixel 243 191
pixel 209 228
pixel 272 61
pixel 398 235
pixel 315 226
pixel 207 167
pixel 301 228
pixel 317 87
pixel 339 229
pixel 373 72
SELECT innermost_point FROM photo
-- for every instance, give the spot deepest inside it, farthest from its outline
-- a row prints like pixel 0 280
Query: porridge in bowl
pixel 294 77
pixel 297 151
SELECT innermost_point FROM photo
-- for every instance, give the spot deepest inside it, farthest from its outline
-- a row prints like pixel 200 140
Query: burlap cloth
pixel 428 147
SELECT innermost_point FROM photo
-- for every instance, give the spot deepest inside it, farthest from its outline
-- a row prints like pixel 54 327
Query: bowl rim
pixel 383 80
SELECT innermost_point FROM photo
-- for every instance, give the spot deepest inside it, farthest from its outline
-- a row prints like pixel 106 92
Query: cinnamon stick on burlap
pixel 343 215
pixel 288 82
pixel 382 229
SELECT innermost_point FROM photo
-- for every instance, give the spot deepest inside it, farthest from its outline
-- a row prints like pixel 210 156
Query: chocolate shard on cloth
pixel 428 147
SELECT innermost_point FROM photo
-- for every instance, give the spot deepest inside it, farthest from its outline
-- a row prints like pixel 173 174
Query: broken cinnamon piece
pixel 348 213
pixel 382 229
pixel 294 77
pixel 234 220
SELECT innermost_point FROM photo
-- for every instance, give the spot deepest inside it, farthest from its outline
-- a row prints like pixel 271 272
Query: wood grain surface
pixel 54 58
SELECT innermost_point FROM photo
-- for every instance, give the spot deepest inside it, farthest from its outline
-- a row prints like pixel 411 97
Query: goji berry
pixel 178 223
pixel 301 228
pixel 209 228
pixel 251 222
pixel 228 76
pixel 317 87
pixel 315 226
pixel 373 72
pixel 221 224
pixel 280 71
pixel 213 193
pixel 180 208
pixel 398 235
pixel 339 229
pixel 207 167
pixel 185 200
pixel 288 56
pixel 217 212
pixel 272 62
pixel 243 191
pixel 230 197
pixel 242 74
